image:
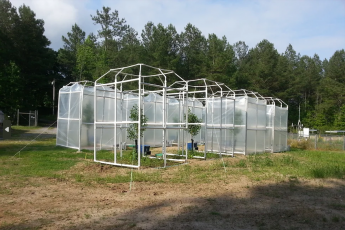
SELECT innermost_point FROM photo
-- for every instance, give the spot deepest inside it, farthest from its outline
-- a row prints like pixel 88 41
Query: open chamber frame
pixel 117 92
pixel 232 121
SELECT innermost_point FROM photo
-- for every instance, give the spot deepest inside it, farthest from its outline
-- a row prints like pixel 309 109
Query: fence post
pixel 17 117
pixel 36 117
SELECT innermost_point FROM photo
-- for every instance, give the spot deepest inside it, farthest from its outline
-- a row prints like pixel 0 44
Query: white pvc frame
pixel 140 78
pixel 276 103
pixel 200 89
pixel 250 94
pixel 209 89
pixel 80 122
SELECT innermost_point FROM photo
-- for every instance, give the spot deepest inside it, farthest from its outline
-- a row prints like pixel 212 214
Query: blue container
pixel 146 148
pixel 189 146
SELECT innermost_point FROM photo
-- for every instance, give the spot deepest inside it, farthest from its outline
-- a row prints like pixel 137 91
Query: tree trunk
pixel 136 146
pixel 192 144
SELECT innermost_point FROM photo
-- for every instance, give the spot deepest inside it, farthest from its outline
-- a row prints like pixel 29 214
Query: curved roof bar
pixel 260 97
pixel 84 83
pixel 274 101
pixel 270 100
pixel 202 84
pixel 138 72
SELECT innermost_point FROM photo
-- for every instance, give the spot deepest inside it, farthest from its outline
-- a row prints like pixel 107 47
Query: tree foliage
pixel 67 56
pixel 193 129
pixel 28 65
pixel 133 129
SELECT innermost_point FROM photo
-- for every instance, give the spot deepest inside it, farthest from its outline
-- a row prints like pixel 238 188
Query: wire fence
pixel 317 141
pixel 27 118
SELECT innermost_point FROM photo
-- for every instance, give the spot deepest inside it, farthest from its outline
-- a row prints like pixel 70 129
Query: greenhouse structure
pixel 250 122
pixel 213 103
pixel 276 132
pixel 75 116
pixel 156 104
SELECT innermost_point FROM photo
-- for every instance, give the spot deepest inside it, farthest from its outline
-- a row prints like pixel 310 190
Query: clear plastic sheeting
pixel 153 110
pixel 174 115
pixel 197 108
pixel 231 121
pixel 128 101
pixel 75 116
pixel 147 88
pixel 213 103
pixel 220 125
pixel 250 122
pixel 277 121
pixel 105 116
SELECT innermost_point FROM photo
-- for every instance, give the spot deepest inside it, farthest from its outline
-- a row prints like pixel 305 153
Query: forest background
pixel 28 66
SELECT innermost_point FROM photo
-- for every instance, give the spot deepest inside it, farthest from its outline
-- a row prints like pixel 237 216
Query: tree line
pixel 28 65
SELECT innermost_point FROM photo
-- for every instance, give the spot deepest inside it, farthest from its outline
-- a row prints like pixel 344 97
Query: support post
pixel 95 120
pixel 53 95
pixel 164 124
pixel 206 117
pixel 36 117
pixel 139 117
pixel 233 127
pixel 115 122
pixel 17 117
pixel 221 127
pixel 315 141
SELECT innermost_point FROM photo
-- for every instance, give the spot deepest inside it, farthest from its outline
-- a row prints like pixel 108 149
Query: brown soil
pixel 235 203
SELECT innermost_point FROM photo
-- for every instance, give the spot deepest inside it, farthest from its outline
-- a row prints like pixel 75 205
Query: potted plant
pixel 193 129
pixel 132 131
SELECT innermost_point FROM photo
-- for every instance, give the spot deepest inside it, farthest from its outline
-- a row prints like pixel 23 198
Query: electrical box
pixel 6 131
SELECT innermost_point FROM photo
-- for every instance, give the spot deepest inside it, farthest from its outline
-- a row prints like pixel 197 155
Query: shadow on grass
pixel 31 132
pixel 287 205
pixel 279 206
pixel 10 148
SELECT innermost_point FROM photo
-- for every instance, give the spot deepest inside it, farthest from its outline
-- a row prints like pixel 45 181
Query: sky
pixel 310 26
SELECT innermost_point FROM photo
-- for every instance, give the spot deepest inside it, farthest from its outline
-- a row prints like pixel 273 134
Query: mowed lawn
pixel 41 162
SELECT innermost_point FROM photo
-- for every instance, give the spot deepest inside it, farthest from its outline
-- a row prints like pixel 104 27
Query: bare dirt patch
pixel 229 201
pixel 234 204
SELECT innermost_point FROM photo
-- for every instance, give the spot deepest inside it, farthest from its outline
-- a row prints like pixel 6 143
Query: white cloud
pixel 57 15
pixel 311 26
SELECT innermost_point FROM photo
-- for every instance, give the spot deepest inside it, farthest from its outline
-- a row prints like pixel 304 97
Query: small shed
pixel 277 125
pixel 75 116
pixel 250 122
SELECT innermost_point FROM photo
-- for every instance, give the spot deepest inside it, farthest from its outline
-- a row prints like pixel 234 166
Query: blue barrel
pixel 189 146
pixel 146 148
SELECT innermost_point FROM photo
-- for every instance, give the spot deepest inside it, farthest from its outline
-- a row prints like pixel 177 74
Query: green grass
pixel 38 159
pixel 322 143
pixel 202 154
pixel 42 158
pixel 294 164
pixel 131 158
pixel 18 130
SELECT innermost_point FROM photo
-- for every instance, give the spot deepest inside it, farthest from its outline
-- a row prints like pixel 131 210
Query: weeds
pixel 241 164
pixel 303 144
pixel 43 159
pixel 337 206
pixel 335 219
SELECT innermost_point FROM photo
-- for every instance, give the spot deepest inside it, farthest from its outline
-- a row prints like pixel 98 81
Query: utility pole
pixel 299 125
pixel 53 83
